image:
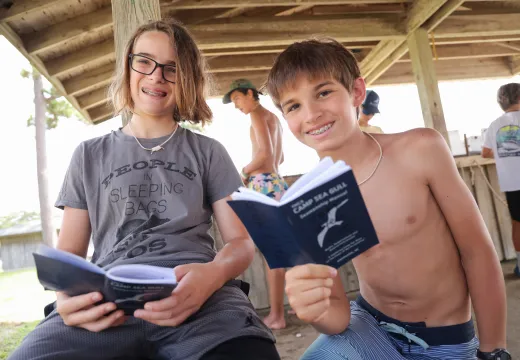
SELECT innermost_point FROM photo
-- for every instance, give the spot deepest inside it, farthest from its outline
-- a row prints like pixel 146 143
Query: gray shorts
pixel 226 315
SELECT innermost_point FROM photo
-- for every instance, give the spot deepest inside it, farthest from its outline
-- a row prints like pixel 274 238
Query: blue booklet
pixel 321 219
pixel 128 286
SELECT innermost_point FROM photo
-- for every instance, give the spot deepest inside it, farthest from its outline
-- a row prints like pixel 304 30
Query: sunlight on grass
pixel 11 334
pixel 22 297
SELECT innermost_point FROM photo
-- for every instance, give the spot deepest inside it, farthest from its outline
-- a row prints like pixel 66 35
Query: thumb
pixel 180 271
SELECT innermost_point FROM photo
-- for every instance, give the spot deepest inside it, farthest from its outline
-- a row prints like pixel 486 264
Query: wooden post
pixel 426 80
pixel 128 15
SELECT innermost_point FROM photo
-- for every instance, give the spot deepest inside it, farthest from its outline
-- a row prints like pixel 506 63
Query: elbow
pixel 249 250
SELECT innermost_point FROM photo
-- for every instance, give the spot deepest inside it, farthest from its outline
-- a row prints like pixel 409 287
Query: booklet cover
pixel 321 219
pixel 128 286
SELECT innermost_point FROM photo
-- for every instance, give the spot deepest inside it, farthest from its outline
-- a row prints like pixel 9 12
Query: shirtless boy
pixel 262 175
pixel 435 258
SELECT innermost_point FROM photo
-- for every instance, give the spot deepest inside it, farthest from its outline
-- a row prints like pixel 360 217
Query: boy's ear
pixel 359 91
pixel 250 93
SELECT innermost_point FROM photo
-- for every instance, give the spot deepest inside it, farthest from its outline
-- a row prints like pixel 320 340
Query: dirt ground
pixel 293 340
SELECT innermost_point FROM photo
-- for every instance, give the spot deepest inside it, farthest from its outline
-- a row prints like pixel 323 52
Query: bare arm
pixel 80 310
pixel 75 231
pixel 479 259
pixel 487 152
pixel 238 253
pixel 264 144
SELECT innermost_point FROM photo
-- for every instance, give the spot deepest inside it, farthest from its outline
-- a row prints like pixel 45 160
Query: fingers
pixel 309 297
pixel 68 305
pixel 310 271
pixel 314 312
pixel 90 315
pixel 295 287
pixel 169 308
pixel 176 320
pixel 308 289
pixel 114 319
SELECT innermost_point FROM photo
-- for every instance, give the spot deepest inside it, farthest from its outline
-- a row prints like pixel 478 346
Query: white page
pixel 332 172
pixel 326 170
pixel 142 274
pixel 251 195
pixel 303 180
pixel 69 258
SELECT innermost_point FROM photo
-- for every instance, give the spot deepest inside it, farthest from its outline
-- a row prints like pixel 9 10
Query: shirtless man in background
pixel 262 175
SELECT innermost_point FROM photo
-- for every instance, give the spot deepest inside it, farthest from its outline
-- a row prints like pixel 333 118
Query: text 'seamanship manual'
pixel 321 219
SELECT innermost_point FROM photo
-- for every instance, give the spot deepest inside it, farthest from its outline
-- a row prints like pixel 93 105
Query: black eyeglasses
pixel 145 65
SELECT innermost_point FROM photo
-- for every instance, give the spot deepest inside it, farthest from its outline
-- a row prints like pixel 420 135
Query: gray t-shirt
pixel 149 208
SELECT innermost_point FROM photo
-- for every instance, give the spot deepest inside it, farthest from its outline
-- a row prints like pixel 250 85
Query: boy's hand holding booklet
pixel 321 219
pixel 128 286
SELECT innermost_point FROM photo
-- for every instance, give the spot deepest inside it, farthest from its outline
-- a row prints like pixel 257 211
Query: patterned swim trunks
pixel 270 184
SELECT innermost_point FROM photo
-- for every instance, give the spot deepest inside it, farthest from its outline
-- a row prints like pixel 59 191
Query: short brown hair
pixel 508 95
pixel 191 75
pixel 314 58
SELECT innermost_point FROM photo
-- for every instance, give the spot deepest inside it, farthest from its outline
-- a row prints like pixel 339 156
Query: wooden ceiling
pixel 71 42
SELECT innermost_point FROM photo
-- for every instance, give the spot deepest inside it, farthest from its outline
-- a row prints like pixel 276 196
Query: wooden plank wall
pixel 490 200
pixel 16 251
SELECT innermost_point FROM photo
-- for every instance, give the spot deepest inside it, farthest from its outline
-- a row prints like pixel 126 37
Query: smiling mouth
pixel 320 130
pixel 153 93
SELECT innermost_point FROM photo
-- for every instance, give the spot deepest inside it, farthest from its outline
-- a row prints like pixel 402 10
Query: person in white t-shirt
pixel 502 140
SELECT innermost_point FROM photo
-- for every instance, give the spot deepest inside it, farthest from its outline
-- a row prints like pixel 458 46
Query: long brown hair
pixel 317 58
pixel 191 82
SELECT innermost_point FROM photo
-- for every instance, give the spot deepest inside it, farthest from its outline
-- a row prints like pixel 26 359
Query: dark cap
pixel 237 84
pixel 371 103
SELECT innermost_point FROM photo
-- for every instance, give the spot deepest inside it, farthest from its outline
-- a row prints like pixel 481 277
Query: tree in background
pixel 49 107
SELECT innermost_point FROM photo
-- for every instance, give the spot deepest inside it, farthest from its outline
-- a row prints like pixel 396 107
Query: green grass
pixel 21 307
pixel 11 334
pixel 22 297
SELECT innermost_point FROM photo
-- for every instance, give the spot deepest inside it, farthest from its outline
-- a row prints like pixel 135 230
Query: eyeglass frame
pixel 131 56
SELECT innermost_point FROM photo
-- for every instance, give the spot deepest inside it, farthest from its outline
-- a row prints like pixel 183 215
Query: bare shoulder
pixel 418 141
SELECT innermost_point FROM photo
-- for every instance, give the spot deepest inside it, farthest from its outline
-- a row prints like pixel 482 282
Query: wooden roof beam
pixel 273 49
pixel 295 10
pixel 101 113
pixel 478 25
pixel 101 52
pixel 470 51
pixel 282 31
pixel 63 32
pixel 89 81
pixel 197 4
pixel 22 8
pixel 93 98
pixel 418 14
pixel 515 65
pixel 241 63
pixel 449 70
pixel 446 8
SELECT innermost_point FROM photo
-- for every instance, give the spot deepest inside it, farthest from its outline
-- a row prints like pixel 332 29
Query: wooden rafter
pixel 60 33
pixel 93 98
pixel 242 63
pixel 101 52
pixel 418 14
pixel 471 51
pixel 295 10
pixel 429 23
pixel 91 80
pixel 23 8
pixel 515 65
